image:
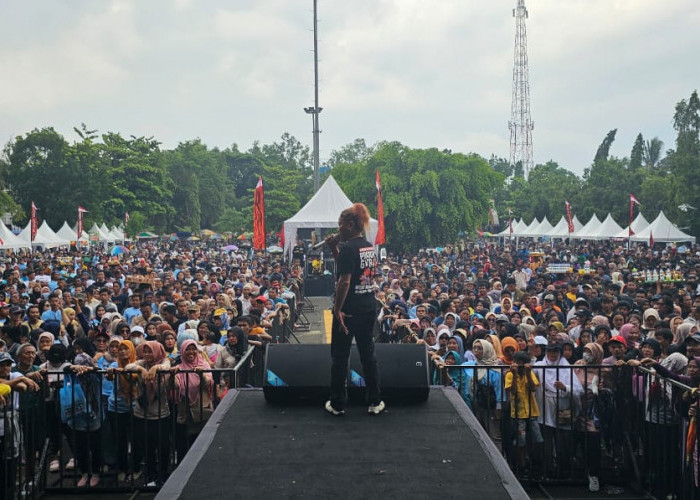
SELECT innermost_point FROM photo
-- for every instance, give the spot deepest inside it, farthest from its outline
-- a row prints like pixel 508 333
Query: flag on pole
pixel 34 222
pixel 651 239
pixel 633 201
pixel 569 219
pixel 259 216
pixel 381 233
pixel 126 223
pixel 81 211
pixel 510 223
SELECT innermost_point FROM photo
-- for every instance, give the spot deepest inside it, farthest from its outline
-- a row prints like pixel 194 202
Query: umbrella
pixel 118 250
pixel 274 249
pixel 208 232
pixel 192 238
pixel 230 248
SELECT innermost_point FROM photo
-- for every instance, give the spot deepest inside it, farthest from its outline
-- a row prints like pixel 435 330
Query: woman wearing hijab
pixel 193 391
pixel 83 430
pixel 120 401
pixel 152 411
pixel 235 348
pixel 561 391
pixel 482 389
pixel 587 434
pixel 509 346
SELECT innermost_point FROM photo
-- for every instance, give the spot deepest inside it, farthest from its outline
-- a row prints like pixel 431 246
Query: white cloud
pixel 426 73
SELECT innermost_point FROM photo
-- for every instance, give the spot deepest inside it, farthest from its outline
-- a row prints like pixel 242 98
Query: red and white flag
pixel 259 216
pixel 81 211
pixel 569 219
pixel 651 240
pixel 381 232
pixel 34 222
pixel 633 201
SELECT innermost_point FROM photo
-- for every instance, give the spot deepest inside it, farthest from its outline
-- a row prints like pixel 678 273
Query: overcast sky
pixel 425 73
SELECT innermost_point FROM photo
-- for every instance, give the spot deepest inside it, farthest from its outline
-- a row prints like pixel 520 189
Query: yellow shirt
pixel 524 398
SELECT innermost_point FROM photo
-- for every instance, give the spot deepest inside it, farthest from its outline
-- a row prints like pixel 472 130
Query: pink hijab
pixel 189 383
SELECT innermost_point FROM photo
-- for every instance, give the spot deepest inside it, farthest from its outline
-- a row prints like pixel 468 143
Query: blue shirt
pixel 52 315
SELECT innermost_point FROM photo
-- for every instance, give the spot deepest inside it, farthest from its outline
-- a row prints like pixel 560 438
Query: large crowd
pixel 118 352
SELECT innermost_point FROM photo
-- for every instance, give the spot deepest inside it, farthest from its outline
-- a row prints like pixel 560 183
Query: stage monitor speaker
pixel 404 376
pixel 300 373
pixel 297 373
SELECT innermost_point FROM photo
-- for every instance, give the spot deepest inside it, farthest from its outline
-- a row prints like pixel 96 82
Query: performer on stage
pixel 354 311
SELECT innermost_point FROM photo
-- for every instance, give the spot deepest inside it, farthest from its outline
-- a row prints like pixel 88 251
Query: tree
pixel 652 153
pixel 429 195
pixel 637 155
pixel 355 152
pixel 604 148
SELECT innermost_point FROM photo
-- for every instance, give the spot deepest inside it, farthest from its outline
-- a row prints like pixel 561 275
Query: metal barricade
pixel 624 425
pixel 109 430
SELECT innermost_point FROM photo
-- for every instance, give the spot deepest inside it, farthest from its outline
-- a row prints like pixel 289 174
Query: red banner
pixel 651 240
pixel 34 222
pixel 81 211
pixel 259 217
pixel 381 233
pixel 633 201
pixel 569 219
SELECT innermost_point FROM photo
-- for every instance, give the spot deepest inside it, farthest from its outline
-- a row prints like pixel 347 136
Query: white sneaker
pixel 593 484
pixel 71 464
pixel 330 409
pixel 376 409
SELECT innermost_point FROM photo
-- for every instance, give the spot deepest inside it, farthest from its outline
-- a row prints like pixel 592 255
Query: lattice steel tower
pixel 521 124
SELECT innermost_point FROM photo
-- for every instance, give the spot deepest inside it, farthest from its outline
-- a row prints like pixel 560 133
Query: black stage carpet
pixel 251 449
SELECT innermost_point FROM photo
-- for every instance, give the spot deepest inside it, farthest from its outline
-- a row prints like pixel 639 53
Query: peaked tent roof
pixel 321 211
pixel 543 228
pixel 638 224
pixel 95 229
pixel 588 229
pixel 45 236
pixel 117 233
pixel 516 226
pixel 69 234
pixel 608 229
pixel 561 229
pixel 528 231
pixel 9 240
pixel 663 230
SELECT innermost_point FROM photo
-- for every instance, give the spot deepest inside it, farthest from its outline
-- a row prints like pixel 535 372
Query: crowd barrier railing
pixel 624 425
pixel 129 428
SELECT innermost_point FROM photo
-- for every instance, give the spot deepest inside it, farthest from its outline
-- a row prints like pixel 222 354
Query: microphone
pixel 322 242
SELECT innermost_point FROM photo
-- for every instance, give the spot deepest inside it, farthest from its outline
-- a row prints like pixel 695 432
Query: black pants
pixel 360 327
pixel 590 444
pixel 88 450
pixel 152 439
pixel 121 436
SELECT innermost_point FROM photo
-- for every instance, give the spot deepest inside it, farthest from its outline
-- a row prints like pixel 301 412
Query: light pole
pixel 315 110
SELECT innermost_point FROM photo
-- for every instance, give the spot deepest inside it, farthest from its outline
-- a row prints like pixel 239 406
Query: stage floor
pixel 251 449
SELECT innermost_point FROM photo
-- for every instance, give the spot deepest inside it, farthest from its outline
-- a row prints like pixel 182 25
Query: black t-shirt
pixel 357 258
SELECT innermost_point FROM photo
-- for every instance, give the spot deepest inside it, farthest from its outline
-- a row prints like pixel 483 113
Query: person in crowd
pixel 151 411
pixel 587 432
pixel 193 395
pixel 561 391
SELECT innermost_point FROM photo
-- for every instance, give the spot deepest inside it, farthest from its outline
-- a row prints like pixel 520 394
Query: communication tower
pixel 521 124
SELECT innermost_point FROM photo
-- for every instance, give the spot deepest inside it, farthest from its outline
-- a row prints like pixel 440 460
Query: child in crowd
pixel 520 384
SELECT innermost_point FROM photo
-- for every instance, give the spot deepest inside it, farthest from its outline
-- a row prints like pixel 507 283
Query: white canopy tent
pixel 9 240
pixel 542 229
pixel 101 236
pixel 663 230
pixel 45 237
pixel 117 233
pixel 527 232
pixel 561 230
pixel 588 229
pixel 608 229
pixel 108 233
pixel 639 224
pixel 518 227
pixel 321 211
pixel 66 233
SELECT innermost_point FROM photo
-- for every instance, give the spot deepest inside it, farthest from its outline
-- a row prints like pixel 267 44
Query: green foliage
pixel 429 195
pixel 604 148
